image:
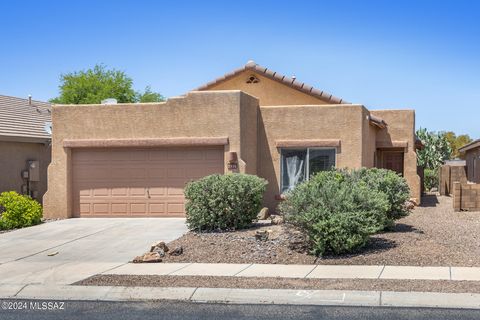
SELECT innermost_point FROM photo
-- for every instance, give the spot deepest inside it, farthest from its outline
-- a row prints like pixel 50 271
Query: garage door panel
pixel 156 173
pixel 157 191
pixel 87 172
pixel 119 208
pixel 177 208
pixel 138 208
pixel 120 192
pixel 175 173
pixel 214 154
pixel 157 208
pixel 85 208
pixel 101 208
pixel 138 182
pixel 124 172
pixel 101 192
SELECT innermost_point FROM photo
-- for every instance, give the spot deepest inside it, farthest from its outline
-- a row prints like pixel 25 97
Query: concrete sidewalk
pixel 301 271
pixel 244 296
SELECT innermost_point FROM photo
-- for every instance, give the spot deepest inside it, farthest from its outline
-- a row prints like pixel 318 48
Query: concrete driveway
pixel 85 247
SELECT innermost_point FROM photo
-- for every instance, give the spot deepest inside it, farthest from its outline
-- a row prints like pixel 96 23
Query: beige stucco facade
pixel 197 119
pixel 254 120
pixel 14 157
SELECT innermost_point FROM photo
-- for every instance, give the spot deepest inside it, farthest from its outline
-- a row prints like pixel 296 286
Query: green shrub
pixel 337 211
pixel 390 183
pixel 18 211
pixel 430 179
pixel 223 202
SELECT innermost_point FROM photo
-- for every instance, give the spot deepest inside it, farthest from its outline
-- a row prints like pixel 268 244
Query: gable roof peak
pixel 291 82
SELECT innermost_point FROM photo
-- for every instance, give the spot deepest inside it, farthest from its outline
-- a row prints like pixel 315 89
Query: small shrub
pixel 337 211
pixel 223 202
pixel 390 183
pixel 430 179
pixel 18 211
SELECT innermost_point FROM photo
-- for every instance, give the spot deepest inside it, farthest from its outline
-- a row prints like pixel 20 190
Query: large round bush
pixel 18 211
pixel 392 184
pixel 337 212
pixel 223 202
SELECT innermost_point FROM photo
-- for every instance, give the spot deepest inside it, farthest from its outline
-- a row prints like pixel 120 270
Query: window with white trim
pixel 298 164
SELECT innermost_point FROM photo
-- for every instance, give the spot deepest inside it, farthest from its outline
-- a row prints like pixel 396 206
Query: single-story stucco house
pixel 24 145
pixel 134 160
pixel 472 160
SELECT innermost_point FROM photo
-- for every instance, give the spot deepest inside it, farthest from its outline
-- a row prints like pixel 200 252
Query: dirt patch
pixel 433 235
pixel 283 283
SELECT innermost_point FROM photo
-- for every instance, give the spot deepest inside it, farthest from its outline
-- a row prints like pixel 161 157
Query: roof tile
pixel 20 119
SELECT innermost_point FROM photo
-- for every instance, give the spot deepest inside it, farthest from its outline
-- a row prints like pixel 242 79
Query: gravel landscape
pixel 432 235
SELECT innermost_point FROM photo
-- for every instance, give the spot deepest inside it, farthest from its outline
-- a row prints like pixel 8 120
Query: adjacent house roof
pixel 24 119
pixel 291 82
pixel 471 145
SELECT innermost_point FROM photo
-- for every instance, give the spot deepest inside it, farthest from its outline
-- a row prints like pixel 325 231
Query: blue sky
pixel 422 55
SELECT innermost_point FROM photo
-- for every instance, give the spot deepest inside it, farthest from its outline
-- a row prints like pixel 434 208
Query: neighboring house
pixel 472 159
pixel 134 159
pixel 24 145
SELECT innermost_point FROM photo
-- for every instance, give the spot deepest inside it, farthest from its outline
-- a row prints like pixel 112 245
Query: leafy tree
pixel 456 142
pixel 149 96
pixel 94 85
pixel 437 149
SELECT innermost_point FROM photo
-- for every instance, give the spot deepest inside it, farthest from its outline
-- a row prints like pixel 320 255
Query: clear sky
pixel 421 55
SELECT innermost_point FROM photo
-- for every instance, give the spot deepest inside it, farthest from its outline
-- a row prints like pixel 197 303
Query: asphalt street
pixel 44 309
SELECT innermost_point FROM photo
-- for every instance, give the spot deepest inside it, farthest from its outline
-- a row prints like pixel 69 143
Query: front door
pixel 392 160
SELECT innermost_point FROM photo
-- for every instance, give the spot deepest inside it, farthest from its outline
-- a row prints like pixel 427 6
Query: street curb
pixel 246 296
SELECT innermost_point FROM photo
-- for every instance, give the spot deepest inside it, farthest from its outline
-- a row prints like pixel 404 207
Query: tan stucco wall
pixel 401 127
pixel 369 141
pixel 13 160
pixel 343 122
pixel 198 114
pixel 269 92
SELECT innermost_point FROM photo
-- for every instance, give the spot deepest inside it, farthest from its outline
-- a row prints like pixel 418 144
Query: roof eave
pixel 469 146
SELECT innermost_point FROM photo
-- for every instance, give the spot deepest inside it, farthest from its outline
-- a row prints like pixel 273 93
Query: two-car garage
pixel 135 182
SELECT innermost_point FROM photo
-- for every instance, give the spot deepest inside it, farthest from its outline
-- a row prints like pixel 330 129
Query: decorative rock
pixel 151 257
pixel 159 246
pixel 409 205
pixel 276 219
pixel 138 259
pixel 263 214
pixel 414 201
pixel 148 257
pixel 177 251
pixel 261 235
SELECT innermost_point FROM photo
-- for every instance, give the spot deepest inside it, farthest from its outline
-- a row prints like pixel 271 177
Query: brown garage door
pixel 138 182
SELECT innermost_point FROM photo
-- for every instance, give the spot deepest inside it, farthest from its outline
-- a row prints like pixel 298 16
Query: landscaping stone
pixel 148 257
pixel 409 205
pixel 159 246
pixel 263 214
pixel 261 235
pixel 413 201
pixel 177 251
pixel 277 219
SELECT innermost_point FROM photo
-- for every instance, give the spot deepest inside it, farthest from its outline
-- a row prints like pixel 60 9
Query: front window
pixel 299 164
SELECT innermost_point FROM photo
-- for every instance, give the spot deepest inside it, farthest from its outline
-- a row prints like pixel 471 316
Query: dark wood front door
pixel 393 161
